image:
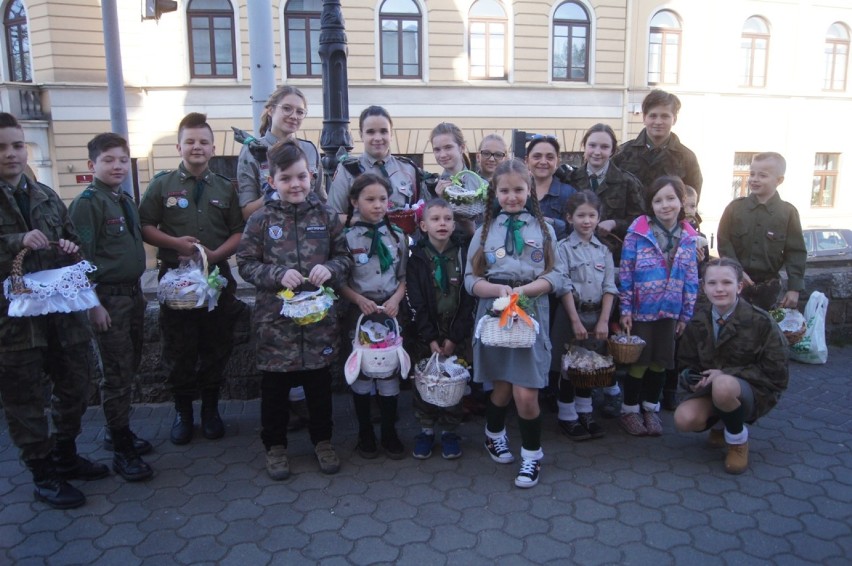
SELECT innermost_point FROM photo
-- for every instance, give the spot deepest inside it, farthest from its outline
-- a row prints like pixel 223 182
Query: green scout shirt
pixel 763 237
pixel 181 205
pixel 448 303
pixel 48 214
pixel 110 233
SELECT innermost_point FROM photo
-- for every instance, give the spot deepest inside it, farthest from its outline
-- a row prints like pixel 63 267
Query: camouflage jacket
pixel 48 214
pixel 282 236
pixel 750 346
pixel 649 163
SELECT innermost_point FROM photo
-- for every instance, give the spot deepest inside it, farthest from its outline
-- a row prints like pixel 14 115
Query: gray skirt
pixel 526 367
pixel 659 337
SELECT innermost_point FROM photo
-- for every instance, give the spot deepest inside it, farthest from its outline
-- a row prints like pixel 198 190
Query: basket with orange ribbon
pixel 507 323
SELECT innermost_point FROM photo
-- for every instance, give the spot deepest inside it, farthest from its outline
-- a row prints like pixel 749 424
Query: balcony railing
pixel 22 100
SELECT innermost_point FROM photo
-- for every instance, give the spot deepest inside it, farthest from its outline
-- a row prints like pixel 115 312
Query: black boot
pixel 366 446
pixel 182 427
pixel 390 440
pixel 212 426
pixel 126 461
pixel 71 466
pixel 141 445
pixel 52 489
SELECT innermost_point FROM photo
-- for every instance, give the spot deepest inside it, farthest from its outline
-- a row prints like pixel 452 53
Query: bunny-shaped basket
pixel 376 353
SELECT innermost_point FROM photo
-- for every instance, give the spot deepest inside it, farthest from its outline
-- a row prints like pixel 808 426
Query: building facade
pixel 753 75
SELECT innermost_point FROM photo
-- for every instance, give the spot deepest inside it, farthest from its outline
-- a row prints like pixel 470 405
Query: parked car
pixel 828 244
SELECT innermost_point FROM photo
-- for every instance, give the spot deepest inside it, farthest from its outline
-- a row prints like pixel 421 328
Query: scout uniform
pixel 526 367
pixel 111 238
pixel 252 174
pixel 179 204
pixel 590 268
pixel 279 237
pixel 649 163
pixel 621 198
pixel 58 343
pixel 402 175
pixel 763 237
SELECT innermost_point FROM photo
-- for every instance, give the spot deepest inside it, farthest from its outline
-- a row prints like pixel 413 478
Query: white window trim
pixel 671 8
pixel 238 60
pixel 592 47
pixel 510 45
pixel 282 42
pixel 4 51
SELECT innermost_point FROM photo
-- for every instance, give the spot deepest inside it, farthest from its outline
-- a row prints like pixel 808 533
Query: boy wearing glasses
pixel 657 151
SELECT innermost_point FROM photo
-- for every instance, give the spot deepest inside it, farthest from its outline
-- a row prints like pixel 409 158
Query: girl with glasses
pixel 492 151
pixel 282 117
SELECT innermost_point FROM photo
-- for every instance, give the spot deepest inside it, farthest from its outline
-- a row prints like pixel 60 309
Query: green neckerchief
pixel 377 247
pixel 442 276
pixel 669 234
pixel 514 239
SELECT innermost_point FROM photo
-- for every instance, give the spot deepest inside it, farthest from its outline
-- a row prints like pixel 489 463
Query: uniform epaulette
pixel 161 173
pixel 353 166
pixel 223 176
pixel 87 194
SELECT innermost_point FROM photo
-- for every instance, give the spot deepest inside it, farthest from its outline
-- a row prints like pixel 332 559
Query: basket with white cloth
pixel 191 285
pixel 441 381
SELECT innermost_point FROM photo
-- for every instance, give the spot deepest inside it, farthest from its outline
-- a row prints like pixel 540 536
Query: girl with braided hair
pixel 514 251
pixel 375 288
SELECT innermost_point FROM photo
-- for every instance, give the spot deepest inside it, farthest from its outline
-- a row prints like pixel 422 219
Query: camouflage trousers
pixel 196 344
pixel 23 390
pixel 120 350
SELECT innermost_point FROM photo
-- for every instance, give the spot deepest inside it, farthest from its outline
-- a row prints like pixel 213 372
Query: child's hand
pixel 319 275
pixel 449 348
pixel 601 330
pixel 366 305
pixel 747 281
pixel 679 328
pixel 700 253
pixel 391 307
pixel 292 279
pixel 184 245
pixel 436 349
pixel 606 226
pixel 626 322
pixel 580 332
pixel 35 240
pixel 441 185
pixel 790 300
pixel 99 317
pixel 70 247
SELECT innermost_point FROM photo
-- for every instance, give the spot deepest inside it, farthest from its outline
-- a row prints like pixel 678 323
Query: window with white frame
pixel 826 166
pixel 488 35
pixel 571 43
pixel 754 50
pixel 664 48
pixel 17 42
pixel 400 22
pixel 212 43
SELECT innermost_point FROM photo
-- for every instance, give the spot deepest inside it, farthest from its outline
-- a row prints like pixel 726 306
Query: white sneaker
pixel 528 474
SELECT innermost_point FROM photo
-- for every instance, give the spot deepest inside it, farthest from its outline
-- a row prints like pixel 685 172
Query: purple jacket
pixel 649 290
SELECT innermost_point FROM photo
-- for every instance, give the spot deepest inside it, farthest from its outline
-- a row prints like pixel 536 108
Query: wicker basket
pixel 171 291
pixel 441 382
pixel 518 334
pixel 795 337
pixel 405 218
pixel 788 321
pixel 463 202
pixel 62 290
pixel 625 353
pixel 590 379
pixel 379 363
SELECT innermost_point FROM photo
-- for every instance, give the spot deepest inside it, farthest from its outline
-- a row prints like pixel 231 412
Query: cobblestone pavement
pixel 618 500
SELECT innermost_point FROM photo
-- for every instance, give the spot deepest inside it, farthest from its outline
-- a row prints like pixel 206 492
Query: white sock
pixel 297 393
pixel 650 407
pixel 583 404
pixel 532 454
pixel 495 435
pixel 566 411
pixel 612 390
pixel 625 409
pixel 428 431
pixel 740 438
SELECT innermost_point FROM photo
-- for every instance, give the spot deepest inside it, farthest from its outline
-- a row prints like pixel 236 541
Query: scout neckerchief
pixel 381 165
pixel 669 234
pixel 514 239
pixel 442 276
pixel 22 197
pixel 594 181
pixel 377 247
pixel 199 190
pixel 124 199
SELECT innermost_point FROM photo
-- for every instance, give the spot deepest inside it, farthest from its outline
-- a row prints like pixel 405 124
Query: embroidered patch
pixel 176 194
pixel 115 220
pixel 328 351
pixel 275 232
pixel 171 202
pixel 361 259
pixel 490 258
pixel 537 256
pixel 500 253
pixel 183 203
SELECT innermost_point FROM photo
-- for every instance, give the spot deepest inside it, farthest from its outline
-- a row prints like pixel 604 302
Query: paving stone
pixel 496 544
pixel 40 544
pixel 279 515
pixel 203 549
pixel 240 531
pixel 243 554
pixel 813 548
pixel 163 519
pixel 319 521
pixel 731 522
pixel 284 541
pixel 418 554
pixel 46 522
pixel 165 542
pixel 637 515
pixel 124 534
pixel 76 552
pixel 203 524
pixel 568 530
pixel 327 544
pixel 240 509
pixel 314 499
pixel 81 528
pixel 772 524
pixel 123 556
pixel 435 514
pixel 373 550
pixel 590 552
pixel 403 532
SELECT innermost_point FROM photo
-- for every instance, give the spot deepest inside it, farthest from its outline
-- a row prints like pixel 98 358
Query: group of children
pixel 285 236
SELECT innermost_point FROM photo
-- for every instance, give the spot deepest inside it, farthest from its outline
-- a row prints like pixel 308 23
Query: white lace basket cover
pixel 307 307
pixel 463 201
pixel 62 290
pixel 191 285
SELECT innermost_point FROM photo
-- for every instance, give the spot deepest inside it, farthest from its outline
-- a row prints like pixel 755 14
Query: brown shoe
pixel 736 462
pixel 327 457
pixel 716 438
pixel 277 465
